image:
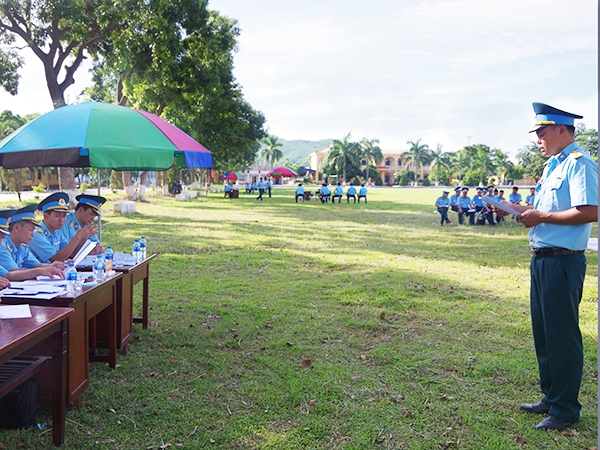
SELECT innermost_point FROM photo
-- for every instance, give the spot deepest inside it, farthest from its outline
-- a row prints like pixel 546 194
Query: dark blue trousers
pixel 556 288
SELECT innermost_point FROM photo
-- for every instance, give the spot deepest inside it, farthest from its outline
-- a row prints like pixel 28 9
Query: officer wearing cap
pixel 560 221
pixel 14 251
pixel 47 244
pixel 21 274
pixel 85 212
pixel 443 204
pixel 464 204
pixel 454 199
pixel 488 214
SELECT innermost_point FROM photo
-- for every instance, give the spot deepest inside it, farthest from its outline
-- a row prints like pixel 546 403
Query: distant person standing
pixel 362 193
pixel 269 187
pixel 351 194
pixel 261 189
pixel 337 193
pixel 560 221
pixel 443 204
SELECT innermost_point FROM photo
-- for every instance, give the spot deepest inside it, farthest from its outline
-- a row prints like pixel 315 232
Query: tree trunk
pixel 143 183
pixel 66 182
pixel 128 185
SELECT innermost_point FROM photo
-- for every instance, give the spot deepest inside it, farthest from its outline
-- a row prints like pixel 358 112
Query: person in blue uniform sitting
pixel 300 193
pixel 443 204
pixel 325 194
pixel 47 244
pixel 362 193
pixel 454 199
pixel 559 221
pixel 84 215
pixel 14 251
pixel 228 188
pixel 515 198
pixel 464 205
pixel 338 192
pixel 351 194
pixel 531 197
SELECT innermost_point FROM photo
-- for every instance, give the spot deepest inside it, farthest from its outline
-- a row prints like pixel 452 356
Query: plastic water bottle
pixel 99 268
pixel 135 251
pixel 143 248
pixel 108 259
pixel 71 274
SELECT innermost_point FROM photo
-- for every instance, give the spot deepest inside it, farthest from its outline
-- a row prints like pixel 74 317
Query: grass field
pixel 311 326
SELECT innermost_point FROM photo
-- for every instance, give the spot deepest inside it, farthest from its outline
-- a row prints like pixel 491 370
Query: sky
pixel 449 72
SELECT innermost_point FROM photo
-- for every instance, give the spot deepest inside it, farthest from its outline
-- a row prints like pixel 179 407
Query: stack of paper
pixel 15 311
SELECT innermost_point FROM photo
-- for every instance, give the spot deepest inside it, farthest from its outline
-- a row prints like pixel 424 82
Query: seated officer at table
pixel 14 251
pixel 47 244
pixel 228 188
pixel 85 212
pixel 337 193
pixel 362 193
pixel 351 194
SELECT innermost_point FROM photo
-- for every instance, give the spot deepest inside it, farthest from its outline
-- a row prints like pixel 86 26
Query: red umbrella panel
pixel 234 176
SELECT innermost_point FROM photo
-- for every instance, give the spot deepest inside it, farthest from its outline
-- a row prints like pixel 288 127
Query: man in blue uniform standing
pixel 261 189
pixel 560 221
pixel 84 215
pixel 443 204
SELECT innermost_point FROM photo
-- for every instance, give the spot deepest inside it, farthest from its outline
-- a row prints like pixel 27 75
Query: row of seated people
pixel 478 211
pixel 29 249
pixel 325 196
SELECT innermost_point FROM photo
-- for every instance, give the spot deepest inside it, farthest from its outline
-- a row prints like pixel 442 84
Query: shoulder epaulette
pixel 576 154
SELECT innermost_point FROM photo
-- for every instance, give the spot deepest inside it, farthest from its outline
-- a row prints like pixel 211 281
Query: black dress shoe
pixel 537 408
pixel 552 423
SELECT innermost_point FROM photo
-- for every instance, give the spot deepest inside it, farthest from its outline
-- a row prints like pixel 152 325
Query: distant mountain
pixel 298 150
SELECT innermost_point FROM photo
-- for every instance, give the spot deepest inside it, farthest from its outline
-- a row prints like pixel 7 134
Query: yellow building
pixel 387 168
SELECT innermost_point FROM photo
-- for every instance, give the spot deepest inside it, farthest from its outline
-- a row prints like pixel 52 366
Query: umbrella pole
pixel 99 216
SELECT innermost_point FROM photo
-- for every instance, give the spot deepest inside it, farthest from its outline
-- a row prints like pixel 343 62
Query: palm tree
pixel 483 161
pixel 417 155
pixel 439 160
pixel 370 151
pixel 342 152
pixel 271 152
pixel 459 160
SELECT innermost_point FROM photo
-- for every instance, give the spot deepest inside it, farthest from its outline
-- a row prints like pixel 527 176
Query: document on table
pixel 15 311
pixel 504 206
pixel 84 251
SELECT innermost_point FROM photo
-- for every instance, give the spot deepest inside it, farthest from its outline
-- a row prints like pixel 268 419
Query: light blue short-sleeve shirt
pixel 12 257
pixel 363 191
pixel 351 191
pixel 299 190
pixel 570 179
pixel 44 244
pixel 441 201
pixel 339 190
pixel 464 202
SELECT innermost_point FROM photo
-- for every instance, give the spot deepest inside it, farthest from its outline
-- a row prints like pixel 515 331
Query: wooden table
pixel 125 320
pixel 95 301
pixel 45 333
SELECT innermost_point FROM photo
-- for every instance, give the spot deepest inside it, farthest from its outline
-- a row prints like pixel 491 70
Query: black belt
pixel 553 251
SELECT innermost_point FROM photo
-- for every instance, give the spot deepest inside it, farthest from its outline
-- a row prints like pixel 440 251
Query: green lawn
pixel 418 336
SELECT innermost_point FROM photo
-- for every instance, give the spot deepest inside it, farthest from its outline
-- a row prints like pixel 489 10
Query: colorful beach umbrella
pixel 282 172
pixel 232 176
pixel 101 135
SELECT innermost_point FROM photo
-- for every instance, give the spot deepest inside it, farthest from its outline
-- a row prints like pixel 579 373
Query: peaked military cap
pixel 95 201
pixel 5 216
pixel 56 202
pixel 445 192
pixel 26 214
pixel 458 188
pixel 546 115
pixel 465 189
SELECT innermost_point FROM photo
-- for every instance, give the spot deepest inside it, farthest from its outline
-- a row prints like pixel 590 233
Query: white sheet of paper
pixel 500 205
pixel 84 251
pixel 15 311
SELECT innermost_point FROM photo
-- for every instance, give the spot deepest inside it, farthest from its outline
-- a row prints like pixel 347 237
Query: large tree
pixel 342 153
pixel 370 151
pixel 439 160
pixel 587 139
pixel 272 150
pixel 532 160
pixel 418 155
pixel 59 33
